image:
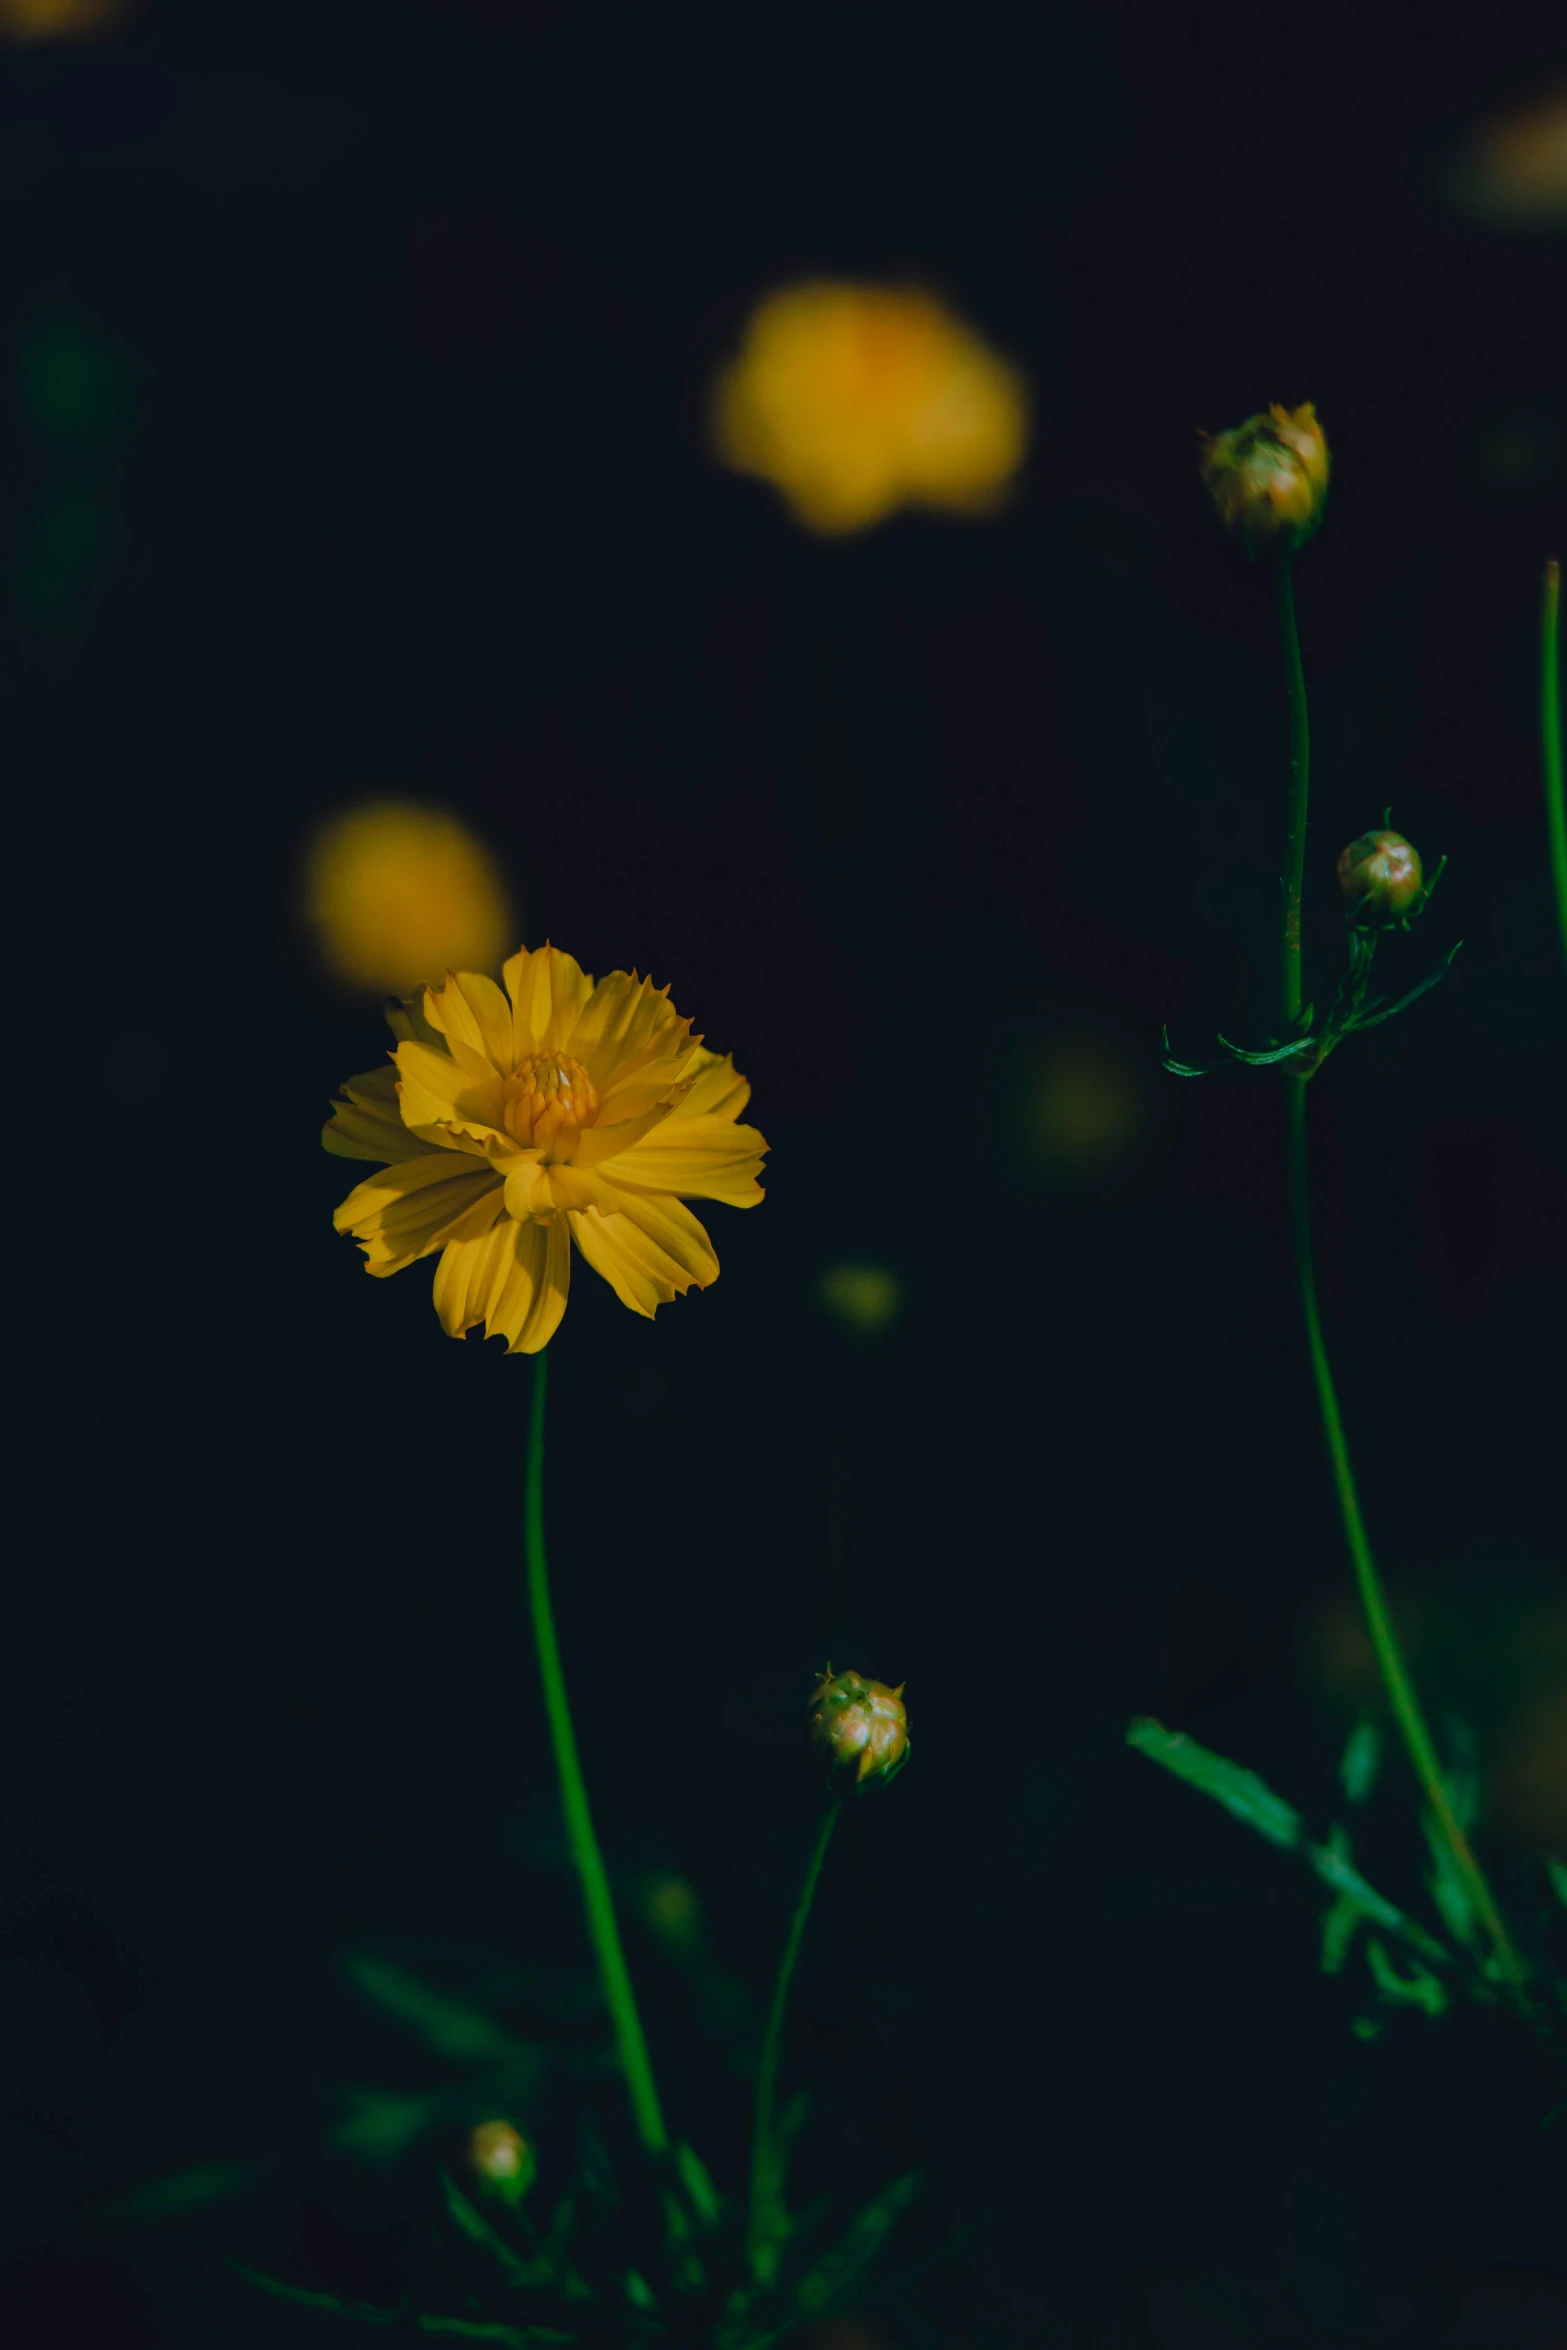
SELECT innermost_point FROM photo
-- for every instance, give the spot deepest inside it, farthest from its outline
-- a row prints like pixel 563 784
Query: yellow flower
pixel 1268 477
pixel 55 20
pixel 564 1110
pixel 856 399
pixel 397 894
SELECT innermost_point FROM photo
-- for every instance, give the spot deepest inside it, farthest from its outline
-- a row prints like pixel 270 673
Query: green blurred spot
pixel 56 555
pixel 74 385
pixel 381 2125
pixel 863 1298
pixel 1361 1760
pixel 196 2189
pixel 448 2026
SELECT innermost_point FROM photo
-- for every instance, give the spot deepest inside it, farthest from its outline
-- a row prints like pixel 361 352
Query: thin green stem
pixel 1384 1640
pixel 1292 987
pixel 761 2210
pixel 630 2041
pixel 1551 736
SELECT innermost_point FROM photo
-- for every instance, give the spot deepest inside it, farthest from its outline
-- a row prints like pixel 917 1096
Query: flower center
pixel 549 1099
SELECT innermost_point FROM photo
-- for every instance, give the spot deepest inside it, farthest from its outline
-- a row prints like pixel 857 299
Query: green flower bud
pixel 1268 478
pixel 859 1728
pixel 1379 879
pixel 502 2160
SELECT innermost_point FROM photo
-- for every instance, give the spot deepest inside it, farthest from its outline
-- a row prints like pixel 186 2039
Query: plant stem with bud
pixel 1551 735
pixel 1379 1623
pixel 766 2161
pixel 630 2041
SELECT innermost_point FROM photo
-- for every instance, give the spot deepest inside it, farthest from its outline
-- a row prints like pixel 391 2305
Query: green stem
pixel 1551 735
pixel 762 2207
pixel 1293 990
pixel 613 1973
pixel 1384 1640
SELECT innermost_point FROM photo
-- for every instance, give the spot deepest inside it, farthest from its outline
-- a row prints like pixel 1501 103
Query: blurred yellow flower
pixel 55 20
pixel 515 1124
pixel 854 400
pixel 396 894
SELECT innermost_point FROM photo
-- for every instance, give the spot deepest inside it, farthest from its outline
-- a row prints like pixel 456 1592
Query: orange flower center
pixel 549 1099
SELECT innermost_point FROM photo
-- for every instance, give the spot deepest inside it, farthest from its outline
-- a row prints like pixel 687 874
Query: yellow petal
pixel 449 1105
pixel 696 1158
pixel 406 1211
pixel 718 1090
pixel 524 1174
pixel 471 1275
pixel 475 1019
pixel 526 1311
pixel 626 1024
pixel 407 1022
pixel 548 990
pixel 368 1124
pixel 648 1250
pixel 596 1143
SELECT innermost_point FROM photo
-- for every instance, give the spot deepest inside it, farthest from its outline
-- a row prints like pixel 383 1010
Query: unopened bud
pixel 1268 478
pixel 1379 879
pixel 860 1728
pixel 502 2160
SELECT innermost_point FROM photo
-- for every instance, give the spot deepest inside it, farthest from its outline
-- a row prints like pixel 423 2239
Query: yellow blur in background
pixel 854 400
pixel 863 1299
pixel 56 20
pixel 396 895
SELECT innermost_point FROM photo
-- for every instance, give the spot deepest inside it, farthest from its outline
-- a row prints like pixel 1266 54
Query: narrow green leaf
pixel 1279 1052
pixel 1339 1927
pixel 1331 1863
pixel 195 2189
pixel 1361 1760
pixel 1556 1870
pixel 837 2270
pixel 1419 1988
pixel 381 2124
pixel 698 2184
pixel 478 2229
pixel 1380 1009
pixel 638 2291
pixel 1240 1791
pixel 448 2026
pixel 420 2321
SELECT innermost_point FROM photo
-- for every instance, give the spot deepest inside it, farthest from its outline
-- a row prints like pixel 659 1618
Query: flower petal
pixel 523 1177
pixel 526 1311
pixel 548 990
pixel 596 1143
pixel 475 1019
pixel 406 1211
pixel 471 1275
pixel 694 1158
pixel 626 1024
pixel 368 1123
pixel 718 1090
pixel 407 1022
pixel 449 1105
pixel 648 1250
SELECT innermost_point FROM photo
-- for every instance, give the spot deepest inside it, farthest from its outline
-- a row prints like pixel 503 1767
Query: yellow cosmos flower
pixel 514 1124
pixel 396 894
pixel 857 399
pixel 55 20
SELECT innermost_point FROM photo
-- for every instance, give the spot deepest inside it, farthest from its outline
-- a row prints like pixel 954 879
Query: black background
pixel 406 315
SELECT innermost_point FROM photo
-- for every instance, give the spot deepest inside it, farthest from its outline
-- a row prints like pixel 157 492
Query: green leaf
pixel 372 2313
pixel 448 2026
pixel 638 2291
pixel 1361 1760
pixel 1556 1870
pixel 1240 1791
pixel 837 2270
pixel 1379 1009
pixel 1278 1052
pixel 698 2184
pixel 1331 1863
pixel 1340 1925
pixel 1419 1988
pixel 381 2124
pixel 178 2192
pixel 478 2230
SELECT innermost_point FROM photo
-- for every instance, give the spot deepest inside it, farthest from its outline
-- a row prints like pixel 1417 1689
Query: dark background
pixel 355 361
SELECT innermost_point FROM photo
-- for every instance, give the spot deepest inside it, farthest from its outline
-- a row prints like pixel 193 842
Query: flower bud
pixel 1268 478
pixel 502 2160
pixel 859 1728
pixel 1379 879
